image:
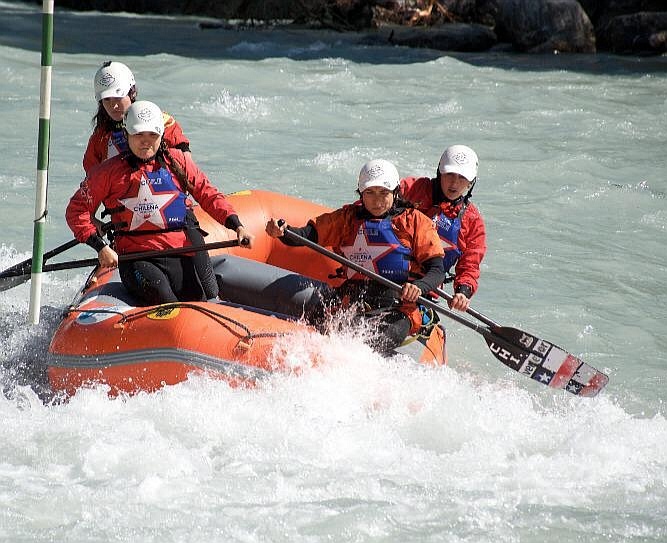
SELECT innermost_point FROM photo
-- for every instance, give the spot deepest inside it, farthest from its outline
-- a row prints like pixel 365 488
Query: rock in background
pixel 532 26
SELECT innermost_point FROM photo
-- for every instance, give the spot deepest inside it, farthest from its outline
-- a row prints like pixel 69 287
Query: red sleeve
pixel 472 243
pixel 84 203
pixel 173 133
pixel 96 151
pixel 207 195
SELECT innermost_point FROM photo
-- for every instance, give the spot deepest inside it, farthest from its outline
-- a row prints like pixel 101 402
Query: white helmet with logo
pixel 459 159
pixel 113 80
pixel 378 173
pixel 143 116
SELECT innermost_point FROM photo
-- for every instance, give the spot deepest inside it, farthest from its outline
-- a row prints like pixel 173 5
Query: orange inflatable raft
pixel 106 338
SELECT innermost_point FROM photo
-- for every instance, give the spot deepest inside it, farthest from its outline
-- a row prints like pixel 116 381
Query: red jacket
pixel 99 147
pixel 116 180
pixel 413 230
pixel 472 237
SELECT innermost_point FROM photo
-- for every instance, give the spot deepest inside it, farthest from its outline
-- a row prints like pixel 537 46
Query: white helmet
pixel 378 173
pixel 459 159
pixel 113 80
pixel 143 116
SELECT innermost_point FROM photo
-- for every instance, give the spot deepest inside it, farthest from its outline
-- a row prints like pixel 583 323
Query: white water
pixel 572 186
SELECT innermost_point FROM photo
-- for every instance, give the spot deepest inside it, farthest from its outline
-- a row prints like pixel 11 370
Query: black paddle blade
pixel 545 362
pixel 15 276
pixel 21 272
pixel 12 281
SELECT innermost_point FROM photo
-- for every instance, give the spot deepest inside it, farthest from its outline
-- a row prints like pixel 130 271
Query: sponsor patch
pixel 164 313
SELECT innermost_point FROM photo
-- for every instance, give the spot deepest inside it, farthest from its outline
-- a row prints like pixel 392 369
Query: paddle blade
pixel 16 275
pixel 12 281
pixel 21 272
pixel 544 362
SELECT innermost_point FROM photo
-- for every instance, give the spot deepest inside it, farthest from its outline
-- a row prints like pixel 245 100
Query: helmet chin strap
pixel 472 186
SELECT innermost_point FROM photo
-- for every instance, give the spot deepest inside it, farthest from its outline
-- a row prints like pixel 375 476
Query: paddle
pixel 482 318
pixel 18 271
pixel 522 352
pixel 17 275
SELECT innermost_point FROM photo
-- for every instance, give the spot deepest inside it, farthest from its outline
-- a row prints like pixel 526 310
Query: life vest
pixel 159 206
pixel 377 249
pixel 117 143
pixel 448 230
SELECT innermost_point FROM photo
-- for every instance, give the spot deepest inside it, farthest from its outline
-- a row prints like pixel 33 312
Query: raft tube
pixel 106 337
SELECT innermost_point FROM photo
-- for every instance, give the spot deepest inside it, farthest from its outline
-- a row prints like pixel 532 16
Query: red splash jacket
pixel 118 185
pixel 471 238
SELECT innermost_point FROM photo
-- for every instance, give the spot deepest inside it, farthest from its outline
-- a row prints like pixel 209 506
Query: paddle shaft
pixel 24 267
pixel 479 316
pixel 123 258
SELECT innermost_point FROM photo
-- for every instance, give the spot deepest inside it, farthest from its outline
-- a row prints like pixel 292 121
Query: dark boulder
pixel 546 26
pixel 644 32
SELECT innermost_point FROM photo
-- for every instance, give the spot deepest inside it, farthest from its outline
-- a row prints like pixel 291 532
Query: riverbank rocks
pixel 636 33
pixel 532 26
pixel 546 26
pixel 446 37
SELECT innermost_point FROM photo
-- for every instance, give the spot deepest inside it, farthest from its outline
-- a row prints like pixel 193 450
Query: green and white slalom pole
pixel 42 161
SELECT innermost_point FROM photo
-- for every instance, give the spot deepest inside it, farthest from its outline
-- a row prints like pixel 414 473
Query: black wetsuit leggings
pixel 392 329
pixel 165 280
pixel 391 325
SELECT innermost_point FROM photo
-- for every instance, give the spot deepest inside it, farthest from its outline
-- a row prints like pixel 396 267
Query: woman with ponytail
pixel 115 91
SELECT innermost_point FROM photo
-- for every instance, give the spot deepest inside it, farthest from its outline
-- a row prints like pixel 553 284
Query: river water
pixel 572 186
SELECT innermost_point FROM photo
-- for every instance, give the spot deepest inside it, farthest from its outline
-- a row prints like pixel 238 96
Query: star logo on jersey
pixel 366 254
pixel 148 206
